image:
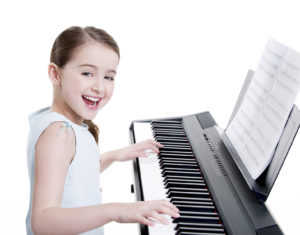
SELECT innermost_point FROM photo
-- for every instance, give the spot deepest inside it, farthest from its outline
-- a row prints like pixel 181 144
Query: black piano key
pixel 164 165
pixel 169 134
pixel 174 145
pixel 190 198
pixel 157 128
pixel 163 153
pixel 197 219
pixel 204 208
pixel 166 121
pixel 184 192
pixel 180 169
pixel 181 173
pixel 197 225
pixel 195 203
pixel 182 177
pixel 199 230
pixel 177 161
pixel 171 131
pixel 185 189
pixel 178 148
pixel 171 140
pixel 192 194
pixel 170 180
pixel 186 185
pixel 171 125
pixel 198 213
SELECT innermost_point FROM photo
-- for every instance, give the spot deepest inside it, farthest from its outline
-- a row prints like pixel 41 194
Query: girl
pixel 63 158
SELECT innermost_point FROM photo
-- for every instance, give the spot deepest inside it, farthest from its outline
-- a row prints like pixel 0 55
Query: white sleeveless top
pixel 82 184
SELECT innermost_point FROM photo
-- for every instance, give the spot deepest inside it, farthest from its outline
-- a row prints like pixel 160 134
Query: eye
pixel 87 74
pixel 109 78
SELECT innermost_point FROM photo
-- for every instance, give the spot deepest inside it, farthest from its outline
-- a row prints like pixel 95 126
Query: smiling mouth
pixel 91 101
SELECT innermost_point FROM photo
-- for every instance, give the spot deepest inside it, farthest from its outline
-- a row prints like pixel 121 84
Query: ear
pixel 53 73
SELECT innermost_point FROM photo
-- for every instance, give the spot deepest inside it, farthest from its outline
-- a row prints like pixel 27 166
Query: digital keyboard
pixel 195 171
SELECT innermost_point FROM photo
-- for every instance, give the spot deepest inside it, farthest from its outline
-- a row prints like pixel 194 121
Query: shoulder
pixel 57 140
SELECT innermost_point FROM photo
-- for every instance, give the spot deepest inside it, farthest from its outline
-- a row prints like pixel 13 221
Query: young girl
pixel 63 157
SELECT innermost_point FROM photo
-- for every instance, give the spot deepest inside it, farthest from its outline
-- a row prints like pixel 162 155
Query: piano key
pixel 171 145
pixel 182 179
pixel 169 134
pixel 177 148
pixel 196 203
pixel 194 199
pixel 166 122
pixel 195 225
pixel 185 185
pixel 199 213
pixel 197 219
pixel 176 193
pixel 180 169
pixel 179 165
pixel 181 173
pixel 155 190
pixel 196 230
pixel 177 154
pixel 153 124
pixel 183 207
pixel 171 180
pixel 177 161
pixel 169 131
pixel 184 189
pixel 171 140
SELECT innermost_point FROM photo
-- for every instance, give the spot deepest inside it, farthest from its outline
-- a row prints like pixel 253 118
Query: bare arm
pixel 54 152
pixel 53 156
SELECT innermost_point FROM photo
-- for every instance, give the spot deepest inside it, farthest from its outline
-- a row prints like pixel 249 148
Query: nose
pixel 99 86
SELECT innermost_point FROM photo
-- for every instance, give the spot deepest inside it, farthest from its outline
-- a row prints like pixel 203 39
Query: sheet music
pixel 258 124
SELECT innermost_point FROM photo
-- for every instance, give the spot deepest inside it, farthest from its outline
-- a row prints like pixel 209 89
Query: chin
pixel 89 117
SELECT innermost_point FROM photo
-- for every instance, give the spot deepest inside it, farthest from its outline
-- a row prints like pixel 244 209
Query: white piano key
pixel 152 182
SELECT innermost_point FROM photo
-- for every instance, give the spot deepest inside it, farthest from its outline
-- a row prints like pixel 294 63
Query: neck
pixel 66 111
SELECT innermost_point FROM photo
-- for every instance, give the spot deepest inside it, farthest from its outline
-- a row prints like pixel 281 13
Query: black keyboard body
pixel 239 211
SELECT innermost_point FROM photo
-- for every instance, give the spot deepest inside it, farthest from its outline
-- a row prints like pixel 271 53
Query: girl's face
pixel 87 81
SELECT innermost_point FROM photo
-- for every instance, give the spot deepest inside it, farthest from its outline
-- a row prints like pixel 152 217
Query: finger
pixel 159 145
pixel 146 221
pixel 168 208
pixel 142 154
pixel 159 218
pixel 154 149
pixel 155 143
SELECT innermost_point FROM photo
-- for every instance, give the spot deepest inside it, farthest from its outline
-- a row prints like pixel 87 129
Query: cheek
pixel 110 90
pixel 71 89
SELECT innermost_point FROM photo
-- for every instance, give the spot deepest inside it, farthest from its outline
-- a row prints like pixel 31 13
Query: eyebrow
pixel 95 67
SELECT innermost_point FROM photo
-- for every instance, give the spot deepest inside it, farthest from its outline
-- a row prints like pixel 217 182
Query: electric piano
pixel 199 172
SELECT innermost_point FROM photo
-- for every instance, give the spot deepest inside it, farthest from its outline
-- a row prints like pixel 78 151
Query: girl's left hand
pixel 140 149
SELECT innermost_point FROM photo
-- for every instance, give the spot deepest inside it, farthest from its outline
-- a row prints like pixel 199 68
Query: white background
pixel 177 58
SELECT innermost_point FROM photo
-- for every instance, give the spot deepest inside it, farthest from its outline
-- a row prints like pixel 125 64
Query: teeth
pixel 91 98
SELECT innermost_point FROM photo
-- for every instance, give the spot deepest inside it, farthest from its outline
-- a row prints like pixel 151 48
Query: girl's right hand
pixel 141 212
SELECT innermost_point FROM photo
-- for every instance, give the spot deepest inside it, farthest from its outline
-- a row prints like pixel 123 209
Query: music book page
pixel 258 124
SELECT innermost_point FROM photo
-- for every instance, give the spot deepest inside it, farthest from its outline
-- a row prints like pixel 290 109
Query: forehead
pixel 97 54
